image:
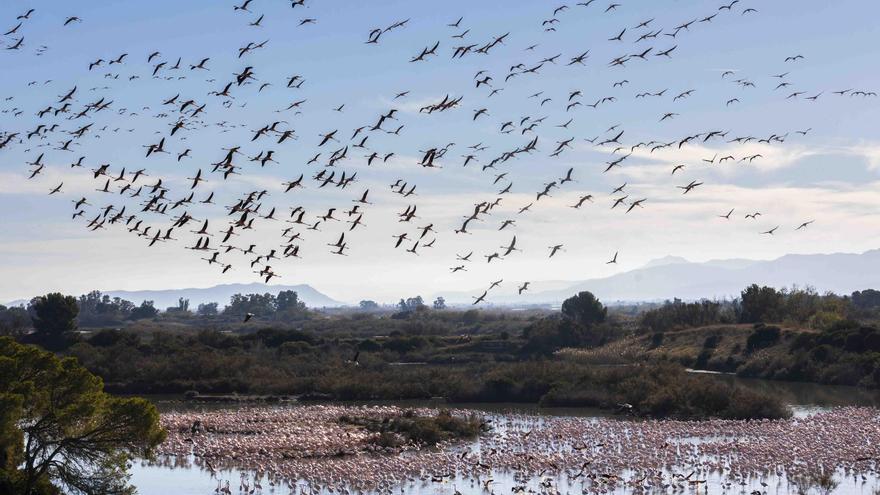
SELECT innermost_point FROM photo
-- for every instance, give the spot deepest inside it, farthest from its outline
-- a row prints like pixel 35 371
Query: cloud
pixel 869 151
pixel 74 182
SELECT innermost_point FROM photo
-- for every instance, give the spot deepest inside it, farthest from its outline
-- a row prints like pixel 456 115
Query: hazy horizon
pixel 553 290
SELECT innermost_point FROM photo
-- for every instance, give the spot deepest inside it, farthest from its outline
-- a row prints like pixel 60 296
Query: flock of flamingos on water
pixel 308 450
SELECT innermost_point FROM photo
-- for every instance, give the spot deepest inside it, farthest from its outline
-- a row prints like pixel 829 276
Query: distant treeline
pixel 795 307
pixel 96 309
pixel 420 352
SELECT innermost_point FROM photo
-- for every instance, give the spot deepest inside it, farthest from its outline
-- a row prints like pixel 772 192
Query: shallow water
pixel 165 480
pixel 173 475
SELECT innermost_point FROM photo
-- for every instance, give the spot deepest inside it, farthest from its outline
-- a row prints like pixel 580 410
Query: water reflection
pixel 809 395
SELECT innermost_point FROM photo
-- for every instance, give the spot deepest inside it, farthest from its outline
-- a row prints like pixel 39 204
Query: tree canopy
pixel 208 309
pixel 14 321
pixel 58 426
pixel 760 304
pixel 368 305
pixel 96 309
pixel 145 310
pixel 585 309
pixel 53 315
pixel 411 304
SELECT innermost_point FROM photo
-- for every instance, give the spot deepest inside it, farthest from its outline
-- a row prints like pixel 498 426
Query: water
pixel 173 475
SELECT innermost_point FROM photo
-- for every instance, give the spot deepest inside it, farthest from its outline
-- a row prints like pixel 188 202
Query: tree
pixel 411 304
pixel 368 305
pixel 678 314
pixel 97 309
pixel 14 321
pixel 548 335
pixel 440 303
pixel 207 309
pixel 288 305
pixel 585 309
pixel 182 308
pixel 145 310
pixel 866 299
pixel 58 426
pixel 759 304
pixel 53 315
pixel 262 305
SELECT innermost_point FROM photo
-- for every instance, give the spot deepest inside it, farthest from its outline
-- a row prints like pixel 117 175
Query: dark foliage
pixel 54 318
pixel 677 314
pixel 763 336
pixel 412 428
pixel 665 390
pixel 759 304
pixel 584 309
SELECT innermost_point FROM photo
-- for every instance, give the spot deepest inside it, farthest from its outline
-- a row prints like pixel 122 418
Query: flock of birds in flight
pixel 133 199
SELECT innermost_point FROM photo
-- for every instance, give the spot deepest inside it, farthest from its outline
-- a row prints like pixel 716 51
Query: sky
pixel 830 175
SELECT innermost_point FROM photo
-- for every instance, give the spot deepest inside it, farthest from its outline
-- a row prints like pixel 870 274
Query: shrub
pixel 369 345
pixel 677 314
pixel 107 338
pixel 409 427
pixel 703 358
pixel 712 341
pixel 666 390
pixel 762 337
pixel 295 348
pixel 657 339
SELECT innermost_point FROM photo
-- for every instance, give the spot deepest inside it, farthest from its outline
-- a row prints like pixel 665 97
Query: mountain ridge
pixel 660 279
pixel 672 277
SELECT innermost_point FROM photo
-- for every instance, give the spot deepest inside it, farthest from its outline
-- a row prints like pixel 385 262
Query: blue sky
pixel 830 175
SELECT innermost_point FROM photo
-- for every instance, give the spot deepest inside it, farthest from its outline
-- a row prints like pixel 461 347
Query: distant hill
pixel 219 293
pixel 672 277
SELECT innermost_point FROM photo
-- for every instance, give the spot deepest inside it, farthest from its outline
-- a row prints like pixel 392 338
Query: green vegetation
pixel 477 368
pixel 59 429
pixel 54 318
pixel 98 310
pixel 665 390
pixel 421 351
pixel 846 354
pixel 677 314
pixel 802 308
pixel 584 309
pixel 795 335
pixel 14 321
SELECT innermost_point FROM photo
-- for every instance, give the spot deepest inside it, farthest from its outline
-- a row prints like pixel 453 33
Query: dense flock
pixel 307 448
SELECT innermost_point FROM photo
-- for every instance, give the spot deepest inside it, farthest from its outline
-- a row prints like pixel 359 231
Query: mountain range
pixel 660 279
pixel 672 277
